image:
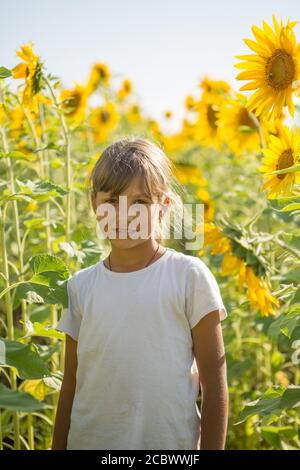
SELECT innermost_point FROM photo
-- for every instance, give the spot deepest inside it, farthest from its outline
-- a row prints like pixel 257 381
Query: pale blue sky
pixel 163 46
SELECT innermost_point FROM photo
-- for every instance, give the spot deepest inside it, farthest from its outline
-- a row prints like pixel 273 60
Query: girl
pixel 137 324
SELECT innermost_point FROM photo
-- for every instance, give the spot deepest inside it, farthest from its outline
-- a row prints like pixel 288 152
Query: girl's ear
pixel 165 205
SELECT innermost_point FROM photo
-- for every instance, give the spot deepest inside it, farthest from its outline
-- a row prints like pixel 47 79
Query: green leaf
pixel 236 369
pixel 17 155
pixel 290 169
pixel 24 357
pixel 292 276
pixel 296 297
pixel 14 400
pixel 274 401
pixel 41 190
pixel 4 72
pixel 285 324
pixel 38 222
pixel 245 129
pixel 38 329
pixel 46 351
pixel 43 294
pixel 291 207
pixel 15 197
pixel 48 269
pixel 48 283
pixel 50 146
pixel 273 434
pixel 292 239
pixel 54 381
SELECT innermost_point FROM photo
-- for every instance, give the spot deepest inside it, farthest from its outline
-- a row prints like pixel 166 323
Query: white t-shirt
pixel 137 378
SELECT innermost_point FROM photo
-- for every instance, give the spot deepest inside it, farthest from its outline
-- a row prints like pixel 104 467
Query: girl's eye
pixel 139 201
pixel 112 200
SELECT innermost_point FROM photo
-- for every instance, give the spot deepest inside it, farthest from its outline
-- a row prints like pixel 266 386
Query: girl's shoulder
pixel 191 269
pixel 202 291
pixel 189 262
pixel 83 276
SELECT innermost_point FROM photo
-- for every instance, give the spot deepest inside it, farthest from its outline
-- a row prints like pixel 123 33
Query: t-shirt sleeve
pixel 202 293
pixel 71 316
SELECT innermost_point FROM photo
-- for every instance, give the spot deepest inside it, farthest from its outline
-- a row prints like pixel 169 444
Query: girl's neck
pixel 136 257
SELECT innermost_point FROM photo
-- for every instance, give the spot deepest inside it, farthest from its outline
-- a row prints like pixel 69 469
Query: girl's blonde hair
pixel 130 156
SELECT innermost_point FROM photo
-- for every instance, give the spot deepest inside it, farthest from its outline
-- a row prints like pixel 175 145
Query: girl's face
pixel 130 219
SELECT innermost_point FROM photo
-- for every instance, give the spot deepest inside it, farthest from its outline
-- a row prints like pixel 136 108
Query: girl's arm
pixel 65 402
pixel 210 358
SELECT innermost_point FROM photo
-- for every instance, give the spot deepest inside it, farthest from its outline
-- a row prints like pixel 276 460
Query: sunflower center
pixel 135 109
pixel 245 119
pixel 127 87
pixel 212 116
pixel 285 160
pixel 104 117
pixel 72 103
pixel 280 69
pixel 102 72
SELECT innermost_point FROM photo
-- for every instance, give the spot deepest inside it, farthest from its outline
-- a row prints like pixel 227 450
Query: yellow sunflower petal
pixel 290 104
pixel 250 58
pixel 261 37
pixel 268 31
pixel 250 86
pixel 259 48
pixel 249 75
pixel 20 70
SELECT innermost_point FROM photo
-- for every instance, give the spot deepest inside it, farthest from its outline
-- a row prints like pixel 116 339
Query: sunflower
pixel 191 174
pixel 206 125
pixel 134 113
pixel 172 143
pixel 103 119
pixel 155 130
pixel 259 293
pixel 31 70
pixel 187 130
pixel 213 236
pixel 237 125
pixel 240 261
pixel 17 118
pixel 32 207
pixel 209 208
pixel 190 103
pixel 186 173
pixel 35 101
pixel 274 69
pixel 281 153
pixel 74 102
pixel 214 87
pixel 271 127
pixel 25 148
pixel 100 74
pixel 125 90
pixel 168 114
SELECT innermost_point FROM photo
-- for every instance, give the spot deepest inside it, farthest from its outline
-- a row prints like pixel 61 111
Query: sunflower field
pixel 236 151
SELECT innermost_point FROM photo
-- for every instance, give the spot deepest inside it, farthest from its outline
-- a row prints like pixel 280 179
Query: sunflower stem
pixel 68 169
pixel 10 321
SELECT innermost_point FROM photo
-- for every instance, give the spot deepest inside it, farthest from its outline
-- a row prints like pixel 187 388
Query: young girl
pixel 137 324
